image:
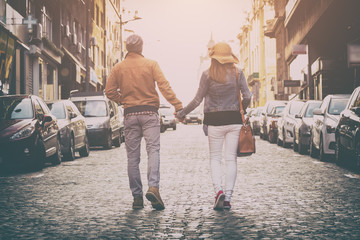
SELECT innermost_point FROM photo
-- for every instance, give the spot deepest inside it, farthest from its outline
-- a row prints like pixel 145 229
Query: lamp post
pixel 121 33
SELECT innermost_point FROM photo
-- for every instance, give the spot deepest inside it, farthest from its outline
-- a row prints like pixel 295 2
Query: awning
pixel 74 59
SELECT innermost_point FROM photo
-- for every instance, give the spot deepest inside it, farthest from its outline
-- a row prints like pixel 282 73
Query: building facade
pixel 257 53
pixel 317 43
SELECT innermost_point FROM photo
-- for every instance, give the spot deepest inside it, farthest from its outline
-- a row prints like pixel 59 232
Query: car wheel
pixel 162 129
pixel 278 141
pixel 70 155
pixel 313 150
pixel 357 156
pixel 117 142
pixel 322 156
pixel 122 135
pixel 108 143
pixel 56 158
pixel 295 146
pixel 301 147
pixel 84 151
pixel 38 159
pixel 284 144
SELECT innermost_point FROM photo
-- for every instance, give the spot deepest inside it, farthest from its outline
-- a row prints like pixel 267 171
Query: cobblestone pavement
pixel 278 194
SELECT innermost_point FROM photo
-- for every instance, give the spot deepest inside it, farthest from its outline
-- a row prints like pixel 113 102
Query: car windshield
pixel 16 108
pixel 258 112
pixel 337 105
pixel 278 109
pixel 166 111
pixel 57 109
pixel 92 108
pixel 295 107
pixel 310 109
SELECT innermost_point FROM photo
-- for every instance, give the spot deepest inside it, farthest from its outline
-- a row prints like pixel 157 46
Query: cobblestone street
pixel 278 194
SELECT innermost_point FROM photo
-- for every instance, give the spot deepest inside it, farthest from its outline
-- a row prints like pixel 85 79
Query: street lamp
pixel 121 30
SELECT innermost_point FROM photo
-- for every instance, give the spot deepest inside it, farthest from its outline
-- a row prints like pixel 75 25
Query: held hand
pixel 180 119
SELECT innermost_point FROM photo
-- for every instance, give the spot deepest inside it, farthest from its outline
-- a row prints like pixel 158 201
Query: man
pixel 132 83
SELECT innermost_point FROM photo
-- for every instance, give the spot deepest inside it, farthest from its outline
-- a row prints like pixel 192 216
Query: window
pixel 46 23
pixel 97 15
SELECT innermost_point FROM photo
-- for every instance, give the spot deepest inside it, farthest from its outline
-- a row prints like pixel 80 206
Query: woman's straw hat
pixel 223 54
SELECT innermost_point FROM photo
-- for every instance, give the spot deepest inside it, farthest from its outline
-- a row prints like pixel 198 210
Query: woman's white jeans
pixel 218 135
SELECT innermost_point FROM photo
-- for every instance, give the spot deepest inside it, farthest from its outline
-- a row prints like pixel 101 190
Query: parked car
pixel 194 117
pixel 326 118
pixel 101 117
pixel 72 127
pixel 255 120
pixel 29 133
pixel 287 122
pixel 347 133
pixel 121 118
pixel 303 126
pixel 269 105
pixel 272 124
pixel 167 118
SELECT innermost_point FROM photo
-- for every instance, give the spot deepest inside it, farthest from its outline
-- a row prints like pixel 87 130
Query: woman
pixel 220 86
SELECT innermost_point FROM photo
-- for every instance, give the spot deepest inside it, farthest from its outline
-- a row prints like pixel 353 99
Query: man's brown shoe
pixel 138 203
pixel 153 196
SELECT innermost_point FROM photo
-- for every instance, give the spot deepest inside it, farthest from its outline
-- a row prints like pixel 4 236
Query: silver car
pixel 288 121
pixel 303 126
pixel 326 118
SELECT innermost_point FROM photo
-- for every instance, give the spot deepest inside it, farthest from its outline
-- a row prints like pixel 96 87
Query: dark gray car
pixel 72 128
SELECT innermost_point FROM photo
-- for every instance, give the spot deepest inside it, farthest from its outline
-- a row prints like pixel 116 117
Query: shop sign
pixel 299 49
pixel 353 55
pixel 291 83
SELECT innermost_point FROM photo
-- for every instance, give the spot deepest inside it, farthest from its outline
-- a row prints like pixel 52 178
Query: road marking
pixel 352 176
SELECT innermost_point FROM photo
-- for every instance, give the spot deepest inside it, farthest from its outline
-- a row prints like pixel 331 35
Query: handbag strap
pixel 239 95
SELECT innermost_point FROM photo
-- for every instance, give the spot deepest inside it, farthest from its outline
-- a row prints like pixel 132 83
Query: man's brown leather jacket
pixel 136 78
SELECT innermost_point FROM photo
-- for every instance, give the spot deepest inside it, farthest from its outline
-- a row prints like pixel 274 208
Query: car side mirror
pixel 298 116
pixel 356 110
pixel 72 115
pixel 317 111
pixel 263 114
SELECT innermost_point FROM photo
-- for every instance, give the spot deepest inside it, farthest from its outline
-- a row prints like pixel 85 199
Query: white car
pixel 322 140
pixel 287 122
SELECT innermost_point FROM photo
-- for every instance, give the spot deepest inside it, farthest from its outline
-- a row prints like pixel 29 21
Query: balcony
pixel 272 25
pixel 253 78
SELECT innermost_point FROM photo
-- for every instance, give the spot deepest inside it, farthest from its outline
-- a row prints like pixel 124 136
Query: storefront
pixel 7 53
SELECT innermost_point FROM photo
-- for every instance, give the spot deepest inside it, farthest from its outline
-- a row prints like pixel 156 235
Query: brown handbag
pixel 246 144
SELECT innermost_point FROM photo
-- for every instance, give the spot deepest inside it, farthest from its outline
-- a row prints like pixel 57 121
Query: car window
pixel 44 106
pixel 337 105
pixel 74 108
pixel 310 109
pixel 57 109
pixel 92 108
pixel 278 110
pixel 15 109
pixel 295 107
pixel 357 101
pixel 39 110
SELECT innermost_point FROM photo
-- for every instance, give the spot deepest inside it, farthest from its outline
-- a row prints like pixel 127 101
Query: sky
pixel 176 33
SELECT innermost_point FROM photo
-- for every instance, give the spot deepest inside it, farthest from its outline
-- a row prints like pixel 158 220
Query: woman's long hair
pixel 218 70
